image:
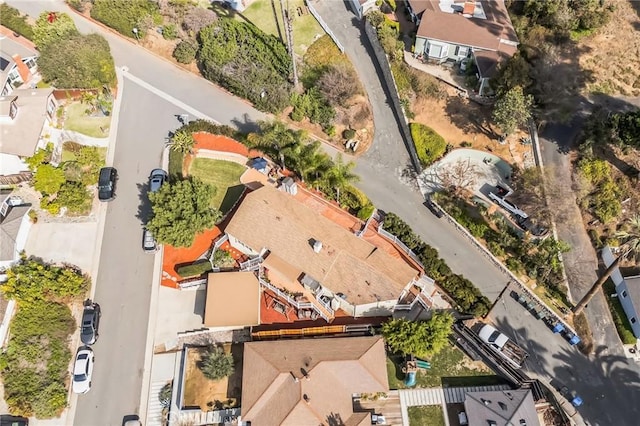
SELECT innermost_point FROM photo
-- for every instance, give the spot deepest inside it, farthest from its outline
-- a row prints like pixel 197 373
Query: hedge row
pixel 194 269
pixel 429 144
pixel 460 289
pixel 11 18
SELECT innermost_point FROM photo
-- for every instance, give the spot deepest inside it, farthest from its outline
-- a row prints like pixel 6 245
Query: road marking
pixel 166 96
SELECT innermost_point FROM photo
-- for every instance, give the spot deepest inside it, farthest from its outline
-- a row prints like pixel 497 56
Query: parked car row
pixel 107 192
pixel 83 364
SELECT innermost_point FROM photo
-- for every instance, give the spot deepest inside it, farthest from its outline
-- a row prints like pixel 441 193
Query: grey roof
pixel 9 228
pixel 501 408
pixel 633 290
pixel 20 136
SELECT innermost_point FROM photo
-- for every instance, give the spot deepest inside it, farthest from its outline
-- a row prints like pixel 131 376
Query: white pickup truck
pixel 506 347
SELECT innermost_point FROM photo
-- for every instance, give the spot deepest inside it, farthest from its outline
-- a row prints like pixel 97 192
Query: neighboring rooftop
pixel 311 382
pixel 11 45
pixel 501 408
pixel 489 27
pixel 10 228
pixel 233 299
pixel 364 273
pixel 20 136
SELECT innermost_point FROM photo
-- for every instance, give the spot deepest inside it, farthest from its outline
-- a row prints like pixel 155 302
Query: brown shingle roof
pixel 475 32
pixel 336 368
pixel 233 299
pixel 269 218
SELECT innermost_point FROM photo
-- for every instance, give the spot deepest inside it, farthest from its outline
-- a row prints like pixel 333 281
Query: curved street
pixel 608 383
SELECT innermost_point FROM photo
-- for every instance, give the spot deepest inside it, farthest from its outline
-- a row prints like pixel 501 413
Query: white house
pixel 628 291
pixel 14 228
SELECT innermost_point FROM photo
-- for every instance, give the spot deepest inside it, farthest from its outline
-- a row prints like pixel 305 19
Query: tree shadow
pixel 144 206
pixel 458 113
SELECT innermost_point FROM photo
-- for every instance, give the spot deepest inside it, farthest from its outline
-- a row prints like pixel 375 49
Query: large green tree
pixel 52 27
pixel 31 281
pixel 308 161
pixel 78 62
pixel 421 338
pixel 512 109
pixel 181 210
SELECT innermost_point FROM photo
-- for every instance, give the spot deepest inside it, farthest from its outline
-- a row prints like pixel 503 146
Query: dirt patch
pixel 612 56
pixel 209 394
pixel 464 123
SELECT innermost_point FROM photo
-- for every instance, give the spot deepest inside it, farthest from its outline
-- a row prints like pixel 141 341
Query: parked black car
pixel 10 420
pixel 107 183
pixel 90 323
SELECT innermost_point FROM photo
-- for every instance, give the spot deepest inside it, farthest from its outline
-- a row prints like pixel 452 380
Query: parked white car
pixel 82 370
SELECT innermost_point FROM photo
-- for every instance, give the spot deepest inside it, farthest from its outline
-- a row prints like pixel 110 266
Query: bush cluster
pixel 313 105
pixel 460 289
pixel 604 199
pixel 11 18
pixel 124 16
pixel 429 144
pixel 246 61
pixel 185 52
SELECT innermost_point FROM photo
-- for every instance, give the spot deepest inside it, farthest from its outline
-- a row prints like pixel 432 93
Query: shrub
pixel 185 52
pixel 466 144
pixel 197 18
pixel 75 197
pixel 11 18
pixel 429 145
pixel 366 211
pixel 170 32
pixel 195 269
pixel 349 134
pixel 48 31
pixel 48 179
pixel 338 83
pixel 313 105
pixel 392 4
pixel 124 16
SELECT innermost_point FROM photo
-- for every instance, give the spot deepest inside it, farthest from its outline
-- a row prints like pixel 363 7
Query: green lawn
pixel 176 158
pixel 305 27
pixel 224 176
pixel 448 366
pixel 78 121
pixel 426 415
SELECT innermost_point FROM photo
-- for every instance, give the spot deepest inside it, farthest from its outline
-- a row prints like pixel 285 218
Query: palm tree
pixel 215 364
pixel 182 141
pixel 340 175
pixel 629 247
pixel 275 137
pixel 308 161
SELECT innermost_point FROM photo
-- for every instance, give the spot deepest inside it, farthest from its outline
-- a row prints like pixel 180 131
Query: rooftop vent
pixel 306 398
pixel 502 405
pixel 485 401
pixel 290 186
pixel 523 422
pixel 317 246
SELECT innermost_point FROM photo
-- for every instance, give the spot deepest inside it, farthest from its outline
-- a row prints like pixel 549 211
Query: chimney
pixel 469 8
pixel 23 70
pixel 317 246
pixel 295 379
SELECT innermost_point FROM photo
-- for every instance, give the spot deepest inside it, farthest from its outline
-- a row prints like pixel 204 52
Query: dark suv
pixel 107 184
pixel 90 323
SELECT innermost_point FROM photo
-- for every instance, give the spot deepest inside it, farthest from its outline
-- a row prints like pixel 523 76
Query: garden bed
pixel 200 392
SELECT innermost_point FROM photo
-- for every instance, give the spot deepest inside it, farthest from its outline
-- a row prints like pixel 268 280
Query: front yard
pixel 224 176
pixel 201 392
pixel 77 120
pixel 450 366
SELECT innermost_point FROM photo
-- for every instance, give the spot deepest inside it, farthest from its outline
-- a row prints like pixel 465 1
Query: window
pixel 30 62
pixel 461 51
pixel 633 320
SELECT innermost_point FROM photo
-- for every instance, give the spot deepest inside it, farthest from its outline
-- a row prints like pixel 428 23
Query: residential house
pixel 311 382
pixel 18 61
pixel 303 253
pixel 628 291
pixel 450 30
pixel 14 228
pixel 23 115
pixel 362 7
pixel 501 408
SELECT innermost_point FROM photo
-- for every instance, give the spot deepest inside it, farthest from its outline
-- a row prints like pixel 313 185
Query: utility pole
pixel 288 29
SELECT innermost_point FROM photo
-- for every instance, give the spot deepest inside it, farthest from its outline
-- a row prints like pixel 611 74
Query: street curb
pixel 533 131
pixel 153 319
